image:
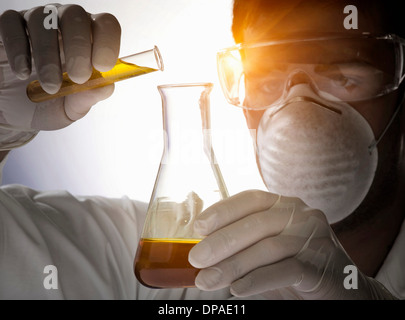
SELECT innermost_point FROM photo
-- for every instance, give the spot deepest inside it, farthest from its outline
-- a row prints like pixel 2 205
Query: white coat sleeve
pixel 89 241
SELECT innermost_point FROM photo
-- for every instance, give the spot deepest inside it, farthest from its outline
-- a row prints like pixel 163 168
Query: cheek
pixel 378 112
pixel 253 118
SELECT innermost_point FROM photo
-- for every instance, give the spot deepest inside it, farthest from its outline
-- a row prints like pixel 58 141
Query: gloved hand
pixel 260 243
pixel 85 40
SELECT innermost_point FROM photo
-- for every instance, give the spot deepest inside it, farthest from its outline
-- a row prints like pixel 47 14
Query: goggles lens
pixel 257 76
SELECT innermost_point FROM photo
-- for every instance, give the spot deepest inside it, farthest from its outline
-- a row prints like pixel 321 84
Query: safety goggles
pixel 259 75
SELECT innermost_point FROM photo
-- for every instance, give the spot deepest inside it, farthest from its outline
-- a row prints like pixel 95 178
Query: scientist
pixel 325 102
pixel 324 95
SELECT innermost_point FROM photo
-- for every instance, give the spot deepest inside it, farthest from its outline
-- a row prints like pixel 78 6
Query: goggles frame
pixel 233 94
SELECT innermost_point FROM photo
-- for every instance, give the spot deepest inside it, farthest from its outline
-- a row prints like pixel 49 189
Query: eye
pixel 267 82
pixel 272 84
pixel 343 81
pixel 262 90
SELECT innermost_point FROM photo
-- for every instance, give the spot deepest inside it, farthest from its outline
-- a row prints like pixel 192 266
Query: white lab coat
pixel 92 243
pixel 90 240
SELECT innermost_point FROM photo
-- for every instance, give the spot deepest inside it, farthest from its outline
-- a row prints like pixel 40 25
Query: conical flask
pixel 188 182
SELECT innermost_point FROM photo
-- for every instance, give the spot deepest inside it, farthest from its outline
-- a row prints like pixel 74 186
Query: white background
pixel 115 150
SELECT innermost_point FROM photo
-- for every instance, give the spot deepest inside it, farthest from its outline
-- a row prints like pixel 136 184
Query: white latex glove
pixel 260 243
pixel 84 41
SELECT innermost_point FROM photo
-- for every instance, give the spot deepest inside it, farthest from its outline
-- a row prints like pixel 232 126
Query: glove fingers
pixel 263 253
pixel 238 236
pixel 75 27
pixel 79 104
pixel 45 50
pixel 50 115
pixel 269 278
pixel 59 113
pixel 232 209
pixel 106 41
pixel 16 44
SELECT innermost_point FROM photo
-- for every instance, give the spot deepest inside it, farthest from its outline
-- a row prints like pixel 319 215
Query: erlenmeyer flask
pixel 188 182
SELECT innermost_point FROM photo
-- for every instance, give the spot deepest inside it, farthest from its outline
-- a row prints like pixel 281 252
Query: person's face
pixel 317 18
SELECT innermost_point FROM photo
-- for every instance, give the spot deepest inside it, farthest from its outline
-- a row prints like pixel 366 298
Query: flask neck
pixel 186 120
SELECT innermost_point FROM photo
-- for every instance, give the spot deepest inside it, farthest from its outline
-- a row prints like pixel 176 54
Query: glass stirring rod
pixel 126 67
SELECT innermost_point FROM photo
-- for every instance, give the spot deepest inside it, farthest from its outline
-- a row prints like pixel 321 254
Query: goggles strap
pixel 372 146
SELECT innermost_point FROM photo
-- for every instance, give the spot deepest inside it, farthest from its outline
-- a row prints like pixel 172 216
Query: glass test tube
pixel 126 67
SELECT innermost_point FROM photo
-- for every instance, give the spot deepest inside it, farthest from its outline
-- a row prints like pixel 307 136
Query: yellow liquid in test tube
pixel 121 71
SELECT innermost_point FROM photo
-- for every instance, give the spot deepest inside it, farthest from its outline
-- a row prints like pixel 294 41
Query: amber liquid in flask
pixel 188 182
pixel 163 263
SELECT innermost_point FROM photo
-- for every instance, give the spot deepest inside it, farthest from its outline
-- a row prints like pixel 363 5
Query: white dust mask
pixel 318 151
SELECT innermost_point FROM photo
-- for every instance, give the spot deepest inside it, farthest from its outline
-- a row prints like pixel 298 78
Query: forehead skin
pixel 290 17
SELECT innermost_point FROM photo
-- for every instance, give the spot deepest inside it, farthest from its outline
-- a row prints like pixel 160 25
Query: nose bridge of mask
pixel 296 76
pixel 303 92
pixel 300 85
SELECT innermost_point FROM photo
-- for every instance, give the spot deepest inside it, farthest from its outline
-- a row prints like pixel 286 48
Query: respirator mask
pixel 311 143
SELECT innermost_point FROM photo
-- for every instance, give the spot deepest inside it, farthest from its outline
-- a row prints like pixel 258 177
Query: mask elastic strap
pixel 372 146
